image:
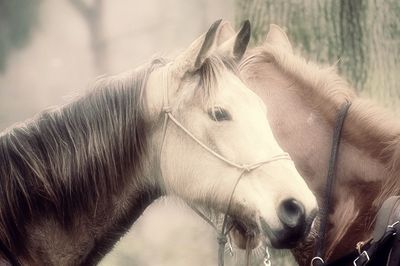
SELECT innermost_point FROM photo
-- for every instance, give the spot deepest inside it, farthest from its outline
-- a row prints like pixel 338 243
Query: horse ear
pixel 277 37
pixel 236 46
pixel 193 57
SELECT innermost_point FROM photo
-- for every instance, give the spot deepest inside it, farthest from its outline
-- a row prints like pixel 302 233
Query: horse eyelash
pixel 219 114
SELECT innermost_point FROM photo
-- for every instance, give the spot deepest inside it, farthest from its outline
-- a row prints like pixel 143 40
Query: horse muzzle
pixel 295 225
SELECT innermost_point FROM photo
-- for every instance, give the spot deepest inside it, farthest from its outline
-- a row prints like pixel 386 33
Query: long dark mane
pixel 65 160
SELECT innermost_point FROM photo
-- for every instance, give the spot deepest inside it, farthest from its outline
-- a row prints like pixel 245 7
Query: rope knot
pixel 167 109
pixel 246 168
pixel 222 239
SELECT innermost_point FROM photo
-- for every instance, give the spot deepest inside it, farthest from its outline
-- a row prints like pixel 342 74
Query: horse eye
pixel 219 114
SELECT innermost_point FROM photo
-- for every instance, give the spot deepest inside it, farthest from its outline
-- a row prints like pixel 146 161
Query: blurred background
pixel 51 50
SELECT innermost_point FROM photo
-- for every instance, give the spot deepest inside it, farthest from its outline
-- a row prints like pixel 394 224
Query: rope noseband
pixel 245 168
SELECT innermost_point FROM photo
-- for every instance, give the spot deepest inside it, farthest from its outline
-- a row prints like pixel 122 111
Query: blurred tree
pixel 361 36
pixel 17 19
pixel 92 13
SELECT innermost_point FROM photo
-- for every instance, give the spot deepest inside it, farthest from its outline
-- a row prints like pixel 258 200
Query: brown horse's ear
pixel 194 56
pixel 277 37
pixel 237 45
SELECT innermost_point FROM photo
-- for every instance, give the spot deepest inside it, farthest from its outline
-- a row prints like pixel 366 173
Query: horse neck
pixel 365 165
pixel 113 185
pixel 303 125
pixel 140 189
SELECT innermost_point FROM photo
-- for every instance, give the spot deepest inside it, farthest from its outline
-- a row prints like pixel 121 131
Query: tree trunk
pixel 361 36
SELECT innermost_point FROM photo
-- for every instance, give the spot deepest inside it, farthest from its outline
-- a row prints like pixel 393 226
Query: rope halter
pixel 245 168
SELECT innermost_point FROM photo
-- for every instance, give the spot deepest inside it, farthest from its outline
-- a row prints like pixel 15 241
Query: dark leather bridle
pixel 330 179
pixel 385 249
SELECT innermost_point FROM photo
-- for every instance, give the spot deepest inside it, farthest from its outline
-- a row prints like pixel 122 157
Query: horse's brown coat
pixel 303 100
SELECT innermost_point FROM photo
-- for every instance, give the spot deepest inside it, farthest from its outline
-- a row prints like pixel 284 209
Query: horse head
pixel 216 149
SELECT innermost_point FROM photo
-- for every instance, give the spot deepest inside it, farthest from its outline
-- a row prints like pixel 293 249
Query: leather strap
pixel 385 251
pixel 330 179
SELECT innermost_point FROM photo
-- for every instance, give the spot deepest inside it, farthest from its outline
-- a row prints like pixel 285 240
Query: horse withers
pixel 75 178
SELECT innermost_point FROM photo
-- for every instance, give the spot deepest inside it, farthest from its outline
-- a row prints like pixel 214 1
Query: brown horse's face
pixel 271 203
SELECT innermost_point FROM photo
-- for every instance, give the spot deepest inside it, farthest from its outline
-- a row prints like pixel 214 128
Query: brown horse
pixel 303 100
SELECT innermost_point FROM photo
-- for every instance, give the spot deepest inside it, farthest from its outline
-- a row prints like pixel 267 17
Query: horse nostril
pixel 291 213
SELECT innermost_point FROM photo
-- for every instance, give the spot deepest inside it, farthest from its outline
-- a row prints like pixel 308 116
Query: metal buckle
pixel 363 253
pixel 315 259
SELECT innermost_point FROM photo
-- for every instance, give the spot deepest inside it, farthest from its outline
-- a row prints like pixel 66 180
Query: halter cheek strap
pixel 245 168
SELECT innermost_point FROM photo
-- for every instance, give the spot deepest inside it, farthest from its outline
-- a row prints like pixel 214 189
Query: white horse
pixel 207 97
pixel 77 177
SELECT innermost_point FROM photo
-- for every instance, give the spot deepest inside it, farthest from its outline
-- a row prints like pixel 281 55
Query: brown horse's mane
pixel 368 127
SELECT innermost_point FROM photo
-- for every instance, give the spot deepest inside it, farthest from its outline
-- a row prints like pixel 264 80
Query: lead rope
pixel 318 260
pixel 245 168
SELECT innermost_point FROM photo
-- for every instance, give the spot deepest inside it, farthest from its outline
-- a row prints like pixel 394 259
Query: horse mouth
pixel 245 235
